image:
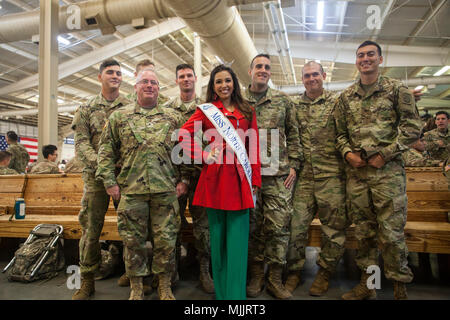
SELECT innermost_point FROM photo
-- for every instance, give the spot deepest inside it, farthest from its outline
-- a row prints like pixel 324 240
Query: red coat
pixel 223 186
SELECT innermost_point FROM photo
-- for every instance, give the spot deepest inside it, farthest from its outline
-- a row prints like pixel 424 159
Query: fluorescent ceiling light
pixel 442 71
pixel 63 41
pixel 320 14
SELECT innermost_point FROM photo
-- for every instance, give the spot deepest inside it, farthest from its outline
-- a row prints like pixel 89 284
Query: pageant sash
pixel 227 131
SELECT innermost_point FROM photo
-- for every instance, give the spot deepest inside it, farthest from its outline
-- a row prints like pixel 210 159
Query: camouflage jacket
pixel 45 166
pixel 20 157
pixel 275 110
pixel 384 121
pixel 141 140
pixel 187 110
pixel 5 170
pixel 318 136
pixel 436 151
pixel 88 124
pixel 74 165
pixel 414 158
pixel 162 99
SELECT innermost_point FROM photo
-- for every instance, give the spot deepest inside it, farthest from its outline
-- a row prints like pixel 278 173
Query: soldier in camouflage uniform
pixel 20 156
pixel 321 185
pixel 269 221
pixel 437 140
pixel 48 165
pixel 5 158
pixel 88 123
pixel 186 103
pixel 376 120
pixel 143 65
pixel 414 158
pixel 74 165
pixel 139 137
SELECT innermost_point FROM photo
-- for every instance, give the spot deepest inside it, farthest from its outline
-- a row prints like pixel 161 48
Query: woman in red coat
pixel 223 187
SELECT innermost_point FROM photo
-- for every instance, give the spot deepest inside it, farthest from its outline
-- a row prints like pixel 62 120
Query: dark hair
pixel 265 55
pixel 12 136
pixel 183 66
pixel 107 63
pixel 49 149
pixel 442 112
pixel 370 43
pixel 143 63
pixel 5 155
pixel 236 97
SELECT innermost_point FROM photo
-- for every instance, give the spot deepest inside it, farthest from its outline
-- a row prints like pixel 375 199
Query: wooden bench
pixel 57 198
pixel 50 198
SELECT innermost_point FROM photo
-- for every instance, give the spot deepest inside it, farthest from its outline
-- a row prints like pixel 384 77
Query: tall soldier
pixel 139 137
pixel 88 123
pixel 321 185
pixel 376 120
pixel 20 156
pixel 269 221
pixel 186 103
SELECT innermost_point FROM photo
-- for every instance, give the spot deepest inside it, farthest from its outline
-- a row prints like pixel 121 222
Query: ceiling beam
pixel 344 52
pixel 84 61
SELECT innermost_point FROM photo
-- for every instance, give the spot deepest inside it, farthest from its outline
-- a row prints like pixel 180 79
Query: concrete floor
pixel 347 275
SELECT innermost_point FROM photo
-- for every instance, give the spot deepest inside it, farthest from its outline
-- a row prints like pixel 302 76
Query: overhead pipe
pixel 283 31
pixel 221 28
pixel 95 14
pixel 342 85
pixel 273 31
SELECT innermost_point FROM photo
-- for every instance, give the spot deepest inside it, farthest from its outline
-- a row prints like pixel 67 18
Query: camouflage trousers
pixel 200 227
pixel 326 198
pixel 94 205
pixel 378 208
pixel 139 215
pixel 269 222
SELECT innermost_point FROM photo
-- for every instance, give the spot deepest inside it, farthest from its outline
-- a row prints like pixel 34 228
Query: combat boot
pixel 164 289
pixel 205 278
pixel 123 281
pixel 274 283
pixel 137 288
pixel 321 282
pixel 400 291
pixel 256 284
pixel 87 287
pixel 292 281
pixel 360 291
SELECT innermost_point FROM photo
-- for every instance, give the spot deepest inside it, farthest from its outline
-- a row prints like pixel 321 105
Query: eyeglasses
pixel 145 82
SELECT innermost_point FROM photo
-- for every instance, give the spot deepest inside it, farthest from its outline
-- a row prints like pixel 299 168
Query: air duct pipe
pixel 221 28
pixel 87 15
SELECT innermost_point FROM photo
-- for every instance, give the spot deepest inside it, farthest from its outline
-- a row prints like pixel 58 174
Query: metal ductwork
pixel 87 15
pixel 342 85
pixel 221 28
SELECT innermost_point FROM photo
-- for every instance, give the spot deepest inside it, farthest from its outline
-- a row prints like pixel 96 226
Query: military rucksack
pixel 40 257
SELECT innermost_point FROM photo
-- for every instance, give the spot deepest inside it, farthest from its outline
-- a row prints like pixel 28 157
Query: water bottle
pixel 19 208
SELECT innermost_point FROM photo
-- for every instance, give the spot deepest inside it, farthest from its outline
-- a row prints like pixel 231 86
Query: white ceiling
pixel 415 36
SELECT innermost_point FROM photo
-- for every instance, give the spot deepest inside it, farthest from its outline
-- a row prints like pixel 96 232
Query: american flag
pixel 31 144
